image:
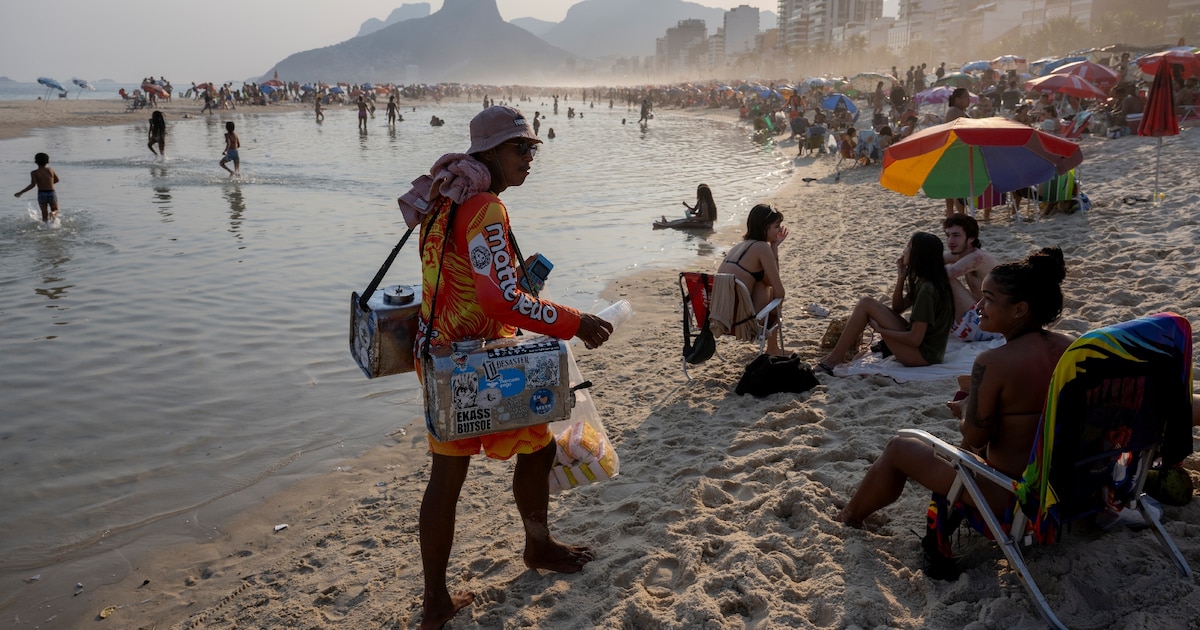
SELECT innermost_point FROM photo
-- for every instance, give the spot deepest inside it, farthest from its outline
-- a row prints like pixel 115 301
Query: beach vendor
pixel 999 416
pixel 471 279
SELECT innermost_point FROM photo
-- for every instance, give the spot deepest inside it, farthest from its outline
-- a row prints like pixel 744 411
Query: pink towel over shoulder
pixel 456 176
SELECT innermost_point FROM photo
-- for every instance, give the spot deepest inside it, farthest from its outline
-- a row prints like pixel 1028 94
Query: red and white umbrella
pixel 1068 84
pixel 1175 57
pixel 1009 62
pixel 1102 77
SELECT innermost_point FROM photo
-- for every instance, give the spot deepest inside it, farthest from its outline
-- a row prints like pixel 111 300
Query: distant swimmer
pixel 550 133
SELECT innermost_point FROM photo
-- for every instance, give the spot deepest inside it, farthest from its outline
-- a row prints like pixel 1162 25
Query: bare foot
pixel 439 612
pixel 845 519
pixel 556 556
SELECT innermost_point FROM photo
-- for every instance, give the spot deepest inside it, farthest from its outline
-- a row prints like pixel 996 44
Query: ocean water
pixel 22 91
pixel 179 342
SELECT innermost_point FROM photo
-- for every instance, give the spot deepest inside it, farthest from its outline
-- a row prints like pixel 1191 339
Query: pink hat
pixel 496 124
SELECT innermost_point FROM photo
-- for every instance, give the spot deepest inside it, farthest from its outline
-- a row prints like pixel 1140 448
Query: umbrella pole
pixel 1157 157
pixel 971 178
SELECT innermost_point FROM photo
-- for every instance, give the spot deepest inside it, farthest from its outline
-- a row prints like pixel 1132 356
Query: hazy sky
pixel 210 40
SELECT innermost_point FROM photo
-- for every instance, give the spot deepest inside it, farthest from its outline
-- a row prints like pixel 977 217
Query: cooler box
pixel 381 337
pixel 477 387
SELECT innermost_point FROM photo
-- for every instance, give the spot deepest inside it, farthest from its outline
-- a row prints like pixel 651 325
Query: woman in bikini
pixel 999 416
pixel 755 261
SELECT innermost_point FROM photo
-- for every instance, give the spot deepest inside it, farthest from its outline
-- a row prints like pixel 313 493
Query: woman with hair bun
pixel 1003 404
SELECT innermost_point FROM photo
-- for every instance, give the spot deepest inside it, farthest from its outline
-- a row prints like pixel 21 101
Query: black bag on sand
pixel 768 374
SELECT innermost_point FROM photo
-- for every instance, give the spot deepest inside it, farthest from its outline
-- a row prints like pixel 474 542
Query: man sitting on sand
pixel 967 264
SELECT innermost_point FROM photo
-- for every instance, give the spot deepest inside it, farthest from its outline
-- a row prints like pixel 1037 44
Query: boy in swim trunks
pixel 44 178
pixel 231 151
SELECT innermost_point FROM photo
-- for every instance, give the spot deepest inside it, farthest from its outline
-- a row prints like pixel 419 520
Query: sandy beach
pixel 723 514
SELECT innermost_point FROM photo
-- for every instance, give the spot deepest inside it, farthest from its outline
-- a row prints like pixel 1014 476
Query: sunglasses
pixel 524 148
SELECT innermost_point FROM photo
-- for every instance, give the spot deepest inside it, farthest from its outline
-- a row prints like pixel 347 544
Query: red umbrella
pixel 1102 77
pixel 1066 83
pixel 1174 57
pixel 1158 119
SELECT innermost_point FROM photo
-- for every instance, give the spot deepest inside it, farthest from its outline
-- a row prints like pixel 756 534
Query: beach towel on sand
pixel 960 356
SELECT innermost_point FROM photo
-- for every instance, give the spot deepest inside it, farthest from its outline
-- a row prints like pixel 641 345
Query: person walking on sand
pixel 43 178
pixel 231 151
pixel 158 134
pixel 479 297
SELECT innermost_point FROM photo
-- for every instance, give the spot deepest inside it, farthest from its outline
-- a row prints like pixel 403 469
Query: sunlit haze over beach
pixel 219 40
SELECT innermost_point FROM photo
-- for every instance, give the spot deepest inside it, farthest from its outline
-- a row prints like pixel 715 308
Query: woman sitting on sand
pixel 922 284
pixel 999 416
pixel 755 261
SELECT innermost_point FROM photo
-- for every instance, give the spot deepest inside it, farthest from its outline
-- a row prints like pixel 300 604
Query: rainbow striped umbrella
pixel 959 158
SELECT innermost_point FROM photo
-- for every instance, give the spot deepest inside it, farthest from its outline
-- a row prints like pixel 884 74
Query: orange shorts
pixel 501 445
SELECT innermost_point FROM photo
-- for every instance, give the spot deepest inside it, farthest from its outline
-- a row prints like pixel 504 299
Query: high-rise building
pixel 741 29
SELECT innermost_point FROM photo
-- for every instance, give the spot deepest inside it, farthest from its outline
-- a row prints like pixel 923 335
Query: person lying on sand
pixel 999 415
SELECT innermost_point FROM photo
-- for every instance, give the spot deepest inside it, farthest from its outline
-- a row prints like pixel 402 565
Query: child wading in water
pixel 44 178
pixel 231 151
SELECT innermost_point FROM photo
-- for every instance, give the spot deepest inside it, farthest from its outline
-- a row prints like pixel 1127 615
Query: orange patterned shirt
pixel 478 296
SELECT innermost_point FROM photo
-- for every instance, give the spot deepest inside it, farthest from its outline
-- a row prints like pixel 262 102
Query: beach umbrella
pixel 1158 119
pixel 267 88
pixel 831 102
pixel 975 66
pixel 940 94
pixel 1009 62
pixel 966 155
pixel 818 83
pixel 957 79
pixel 50 84
pixel 1149 64
pixel 1058 63
pixel 337 89
pixel 1100 76
pixel 83 85
pixel 273 83
pixel 866 81
pixel 1068 84
pixel 152 87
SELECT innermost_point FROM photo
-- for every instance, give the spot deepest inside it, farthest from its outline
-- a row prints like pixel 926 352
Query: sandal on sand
pixel 825 368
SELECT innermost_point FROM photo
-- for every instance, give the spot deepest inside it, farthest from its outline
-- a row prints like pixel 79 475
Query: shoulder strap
pixel 366 295
pixel 438 283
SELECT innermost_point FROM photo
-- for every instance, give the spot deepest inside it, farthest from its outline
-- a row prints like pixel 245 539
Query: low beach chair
pixel 1119 398
pixel 721 304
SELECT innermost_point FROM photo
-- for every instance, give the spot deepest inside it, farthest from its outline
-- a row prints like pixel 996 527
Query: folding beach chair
pixel 721 304
pixel 1120 397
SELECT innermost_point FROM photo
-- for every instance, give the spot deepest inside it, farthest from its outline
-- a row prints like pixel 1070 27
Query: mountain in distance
pixel 534 25
pixel 405 12
pixel 624 28
pixel 6 80
pixel 464 41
